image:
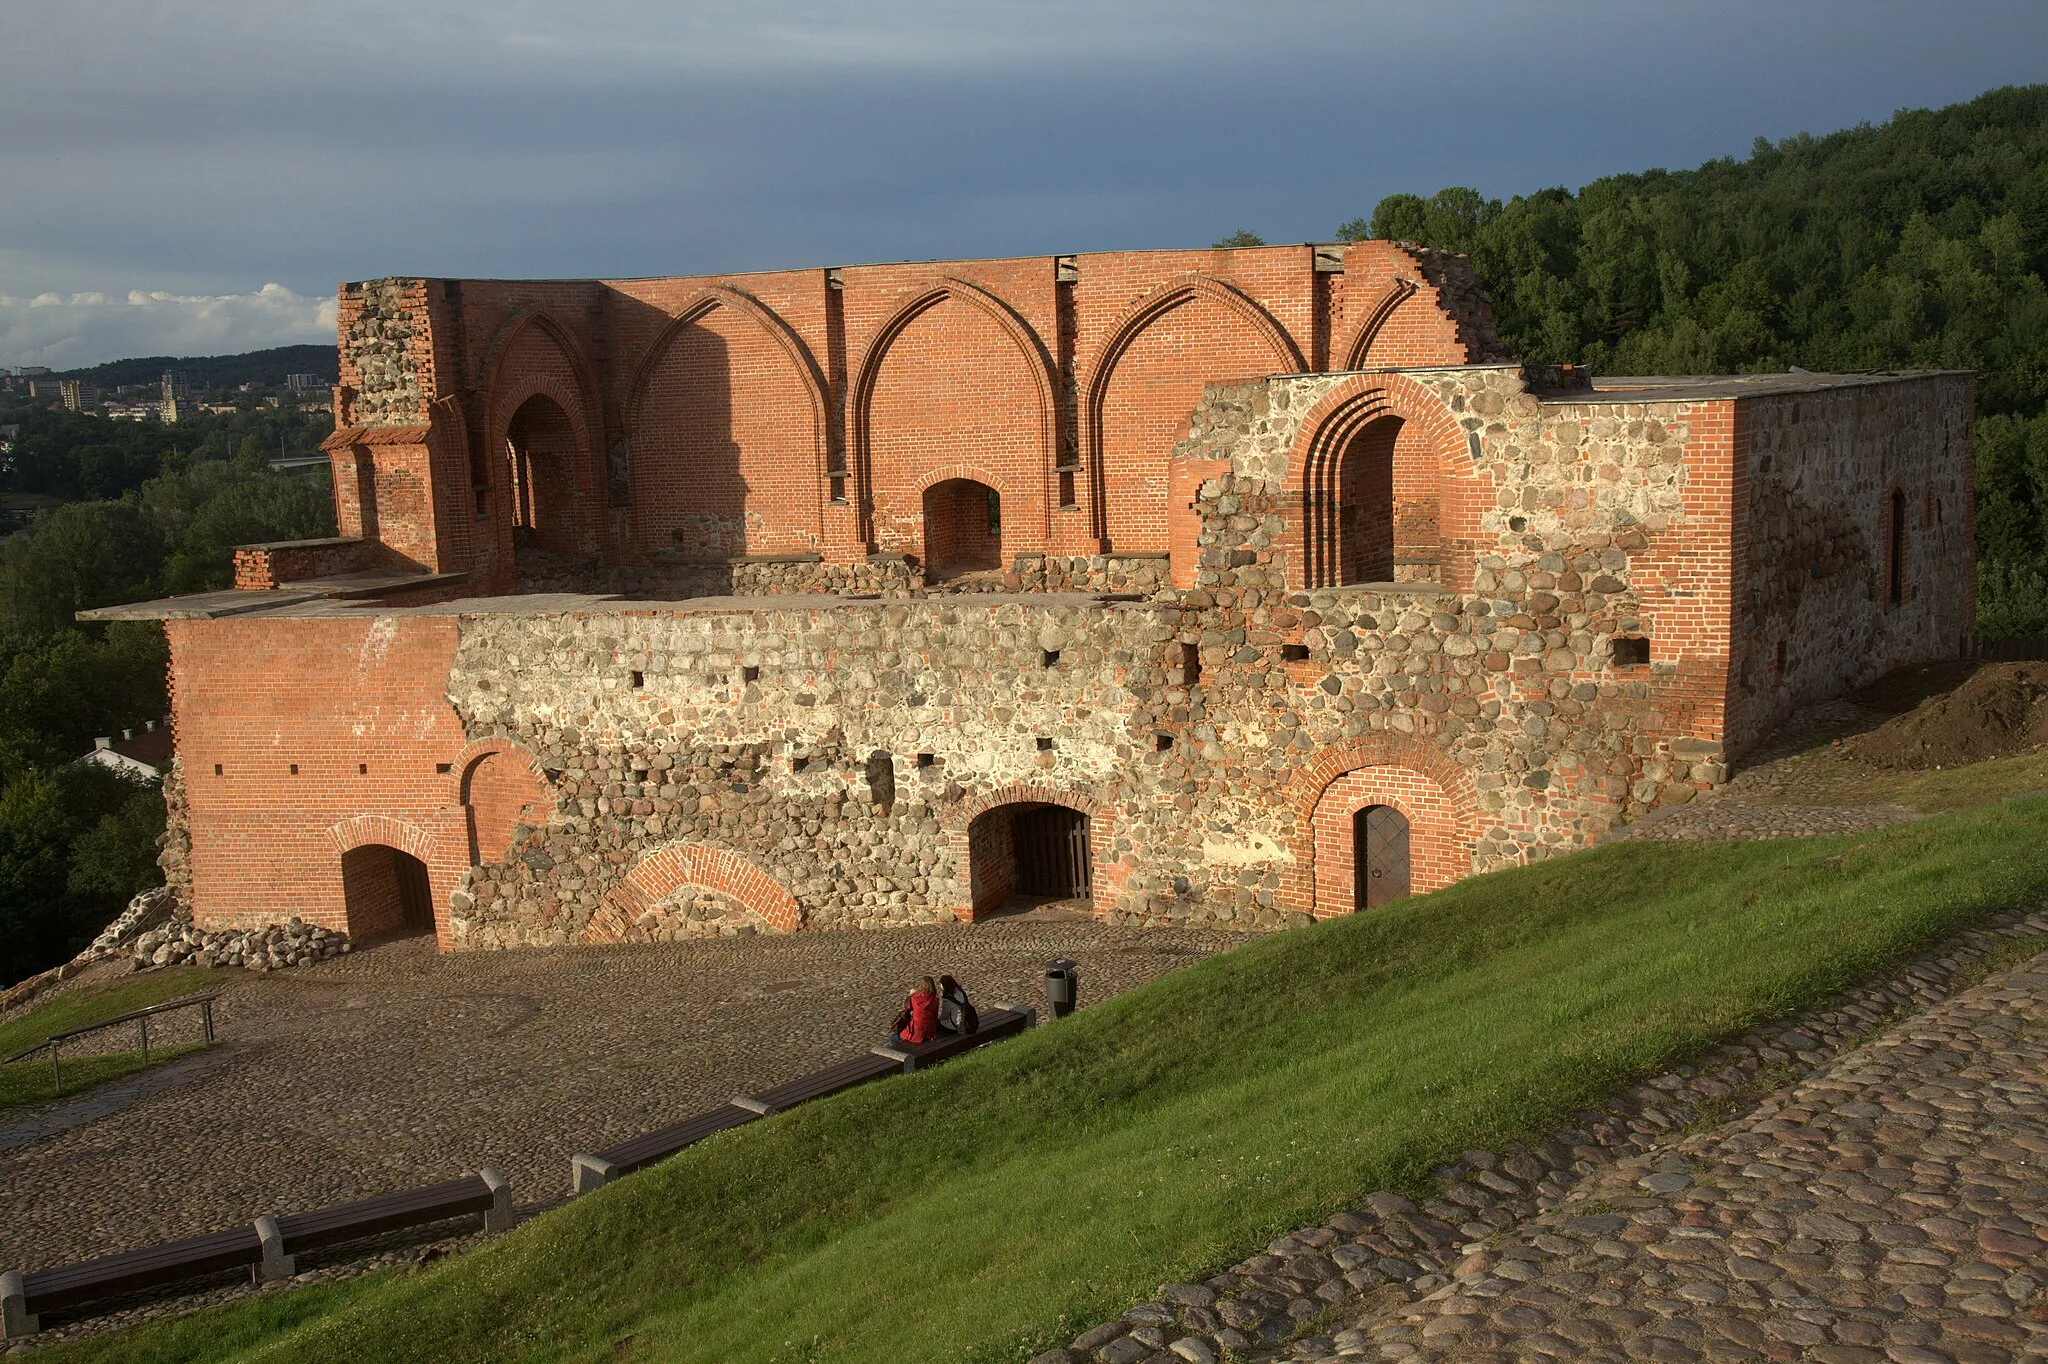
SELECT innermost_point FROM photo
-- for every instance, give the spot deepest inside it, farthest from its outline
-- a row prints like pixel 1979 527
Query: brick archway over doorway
pixel 1409 776
pixel 660 873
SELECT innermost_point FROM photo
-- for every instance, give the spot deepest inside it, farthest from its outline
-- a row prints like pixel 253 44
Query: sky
pixel 195 178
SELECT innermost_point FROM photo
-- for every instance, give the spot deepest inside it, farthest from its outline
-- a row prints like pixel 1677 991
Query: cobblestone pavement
pixel 1708 821
pixel 395 1066
pixel 1893 1207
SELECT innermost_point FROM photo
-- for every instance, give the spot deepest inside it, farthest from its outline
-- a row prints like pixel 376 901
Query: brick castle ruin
pixel 1218 587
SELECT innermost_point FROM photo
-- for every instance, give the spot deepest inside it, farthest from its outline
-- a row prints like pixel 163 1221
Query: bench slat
pixel 386 1212
pixel 856 1071
pixel 652 1146
pixel 145 1268
pixel 996 1025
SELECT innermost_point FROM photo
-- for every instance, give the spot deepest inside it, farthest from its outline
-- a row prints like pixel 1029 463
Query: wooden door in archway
pixel 1379 856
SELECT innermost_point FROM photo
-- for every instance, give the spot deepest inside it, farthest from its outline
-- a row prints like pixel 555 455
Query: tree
pixel 73 558
pixel 1242 237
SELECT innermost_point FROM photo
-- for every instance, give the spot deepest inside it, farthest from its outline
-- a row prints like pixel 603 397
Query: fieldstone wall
pixel 1814 615
pixel 386 369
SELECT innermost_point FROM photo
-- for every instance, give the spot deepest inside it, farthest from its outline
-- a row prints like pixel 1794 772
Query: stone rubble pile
pixel 271 948
pixel 1270 1306
pixel 144 912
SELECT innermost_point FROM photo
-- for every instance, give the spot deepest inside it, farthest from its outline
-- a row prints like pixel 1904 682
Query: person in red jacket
pixel 919 1021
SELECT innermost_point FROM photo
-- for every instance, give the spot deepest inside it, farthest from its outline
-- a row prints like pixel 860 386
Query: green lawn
pixel 982 1210
pixel 29 1081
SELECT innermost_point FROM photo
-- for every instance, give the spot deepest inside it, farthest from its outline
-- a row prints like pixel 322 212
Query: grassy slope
pixel 963 1212
pixel 29 1081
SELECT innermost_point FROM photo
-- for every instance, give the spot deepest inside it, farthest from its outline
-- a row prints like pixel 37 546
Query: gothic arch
pixel 769 321
pixel 920 301
pixel 1418 778
pixel 507 392
pixel 689 864
pixel 1369 327
pixel 485 815
pixel 1132 323
pixel 354 832
pixel 1326 433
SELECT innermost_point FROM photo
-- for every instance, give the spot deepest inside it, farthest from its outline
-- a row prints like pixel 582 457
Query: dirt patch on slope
pixel 1999 711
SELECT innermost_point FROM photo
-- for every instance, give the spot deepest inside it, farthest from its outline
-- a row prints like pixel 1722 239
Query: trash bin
pixel 1062 986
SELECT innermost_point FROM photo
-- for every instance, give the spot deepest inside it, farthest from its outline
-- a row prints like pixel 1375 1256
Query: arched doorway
pixel 1029 849
pixel 1379 856
pixel 1365 505
pixel 540 452
pixel 963 528
pixel 385 891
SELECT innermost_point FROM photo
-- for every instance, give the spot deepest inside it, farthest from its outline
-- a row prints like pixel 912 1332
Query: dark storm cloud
pixel 204 150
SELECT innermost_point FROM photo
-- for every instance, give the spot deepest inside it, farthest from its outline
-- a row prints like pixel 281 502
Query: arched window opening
pixel 963 528
pixel 1348 506
pixel 385 892
pixel 1028 854
pixel 540 452
pixel 1379 856
pixel 1895 551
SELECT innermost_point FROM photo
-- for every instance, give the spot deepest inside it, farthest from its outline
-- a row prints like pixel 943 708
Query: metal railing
pixel 139 1017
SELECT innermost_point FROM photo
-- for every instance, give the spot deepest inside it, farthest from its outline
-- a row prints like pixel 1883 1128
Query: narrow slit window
pixel 362 769
pixel 750 674
pixel 837 481
pixel 926 760
pixel 444 768
pixel 216 770
pixel 1067 502
pixel 295 769
pixel 639 679
pixel 1044 744
pixel 1190 664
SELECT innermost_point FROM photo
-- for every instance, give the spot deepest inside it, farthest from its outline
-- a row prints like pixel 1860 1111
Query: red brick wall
pixel 954 394
pixel 501 789
pixel 725 446
pixel 360 708
pixel 1439 846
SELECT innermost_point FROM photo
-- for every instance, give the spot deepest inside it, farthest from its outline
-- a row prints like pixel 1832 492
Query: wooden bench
pixel 266 1246
pixel 1001 1021
pixel 588 1172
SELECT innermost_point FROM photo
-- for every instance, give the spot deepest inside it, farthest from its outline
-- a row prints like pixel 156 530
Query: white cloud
pixel 69 331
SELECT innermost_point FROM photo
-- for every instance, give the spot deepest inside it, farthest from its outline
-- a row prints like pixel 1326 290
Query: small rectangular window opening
pixel 838 487
pixel 444 768
pixel 1190 664
pixel 1631 651
pixel 1051 658
pixel 995 513
pixel 1067 502
pixel 1294 653
pixel 927 760
pixel 639 679
pixel 1162 743
pixel 750 674
pixel 1044 744
pixel 216 769
pixel 295 769
pixel 362 769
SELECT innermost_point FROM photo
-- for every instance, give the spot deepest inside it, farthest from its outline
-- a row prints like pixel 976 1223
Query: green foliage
pixel 1242 237
pixel 29 1081
pixel 79 556
pixel 991 1207
pixel 43 813
pixel 1921 243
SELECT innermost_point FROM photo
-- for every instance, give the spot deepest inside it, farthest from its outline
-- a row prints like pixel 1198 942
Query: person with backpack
pixel 919 1020
pixel 956 1011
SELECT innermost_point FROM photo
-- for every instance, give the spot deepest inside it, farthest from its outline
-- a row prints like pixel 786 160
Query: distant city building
pixel 176 409
pixel 77 395
pixel 176 384
pixel 33 371
pixel 305 383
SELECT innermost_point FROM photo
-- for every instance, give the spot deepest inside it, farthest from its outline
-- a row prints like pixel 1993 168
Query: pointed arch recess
pixel 688 864
pixel 1139 315
pixel 769 321
pixel 1397 293
pixel 918 302
pixel 506 393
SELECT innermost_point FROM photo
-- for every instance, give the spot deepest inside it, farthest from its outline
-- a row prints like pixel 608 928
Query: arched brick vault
pixel 1108 874
pixel 507 389
pixel 1375 320
pixel 792 346
pixel 919 301
pixel 688 864
pixel 1403 755
pixel 1141 314
pixel 1433 460
pixel 445 866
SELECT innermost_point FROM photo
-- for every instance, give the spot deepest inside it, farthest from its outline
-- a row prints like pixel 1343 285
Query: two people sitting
pixel 936 1009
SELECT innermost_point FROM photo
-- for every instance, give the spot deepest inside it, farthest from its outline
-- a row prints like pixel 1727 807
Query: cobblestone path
pixel 1893 1207
pixel 395 1066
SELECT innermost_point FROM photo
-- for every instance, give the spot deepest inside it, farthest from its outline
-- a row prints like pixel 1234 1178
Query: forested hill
pixel 267 367
pixel 1920 243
